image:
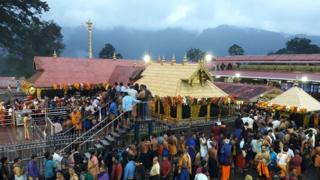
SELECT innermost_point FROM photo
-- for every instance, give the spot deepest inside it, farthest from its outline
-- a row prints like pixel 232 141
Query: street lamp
pixel 147 58
pixel 208 57
pixel 304 78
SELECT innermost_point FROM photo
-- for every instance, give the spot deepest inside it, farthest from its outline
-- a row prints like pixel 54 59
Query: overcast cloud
pixel 289 16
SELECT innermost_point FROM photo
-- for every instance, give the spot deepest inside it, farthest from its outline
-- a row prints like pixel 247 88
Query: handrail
pixel 37 128
pixel 51 125
pixel 107 125
pixel 67 131
pixel 84 134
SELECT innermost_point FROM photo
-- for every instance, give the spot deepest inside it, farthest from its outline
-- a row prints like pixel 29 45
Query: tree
pixel 15 17
pixel 24 35
pixel 38 40
pixel 299 46
pixel 195 54
pixel 235 49
pixel 107 52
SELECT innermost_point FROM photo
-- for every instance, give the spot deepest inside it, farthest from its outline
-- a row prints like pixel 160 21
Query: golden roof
pixel 169 79
pixel 296 96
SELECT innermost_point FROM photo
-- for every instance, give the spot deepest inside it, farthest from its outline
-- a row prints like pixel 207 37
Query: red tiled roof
pixel 292 58
pixel 269 75
pixel 72 70
pixel 123 74
pixel 6 81
pixel 243 91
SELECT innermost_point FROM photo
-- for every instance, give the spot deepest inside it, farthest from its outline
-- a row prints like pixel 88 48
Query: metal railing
pixel 68 131
pixel 97 135
pixel 10 118
pixel 85 134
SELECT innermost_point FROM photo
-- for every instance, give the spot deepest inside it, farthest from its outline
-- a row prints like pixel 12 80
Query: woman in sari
pixel 93 165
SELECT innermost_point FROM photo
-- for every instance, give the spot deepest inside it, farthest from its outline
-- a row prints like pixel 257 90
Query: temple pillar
pixel 179 112
pixel 208 111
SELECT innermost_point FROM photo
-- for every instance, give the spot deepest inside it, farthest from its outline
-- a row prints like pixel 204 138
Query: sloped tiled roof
pixel 124 74
pixel 277 58
pixel 269 75
pixel 76 70
pixel 174 80
pixel 244 91
pixel 6 81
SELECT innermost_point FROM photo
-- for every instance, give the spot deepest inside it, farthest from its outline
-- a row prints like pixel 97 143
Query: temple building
pixel 275 70
pixel 182 91
pixel 55 73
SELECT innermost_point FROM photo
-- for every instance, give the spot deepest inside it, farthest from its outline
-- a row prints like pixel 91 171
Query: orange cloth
pixel 73 118
pixel 184 162
pixel 225 172
pixel 283 170
pixel 317 161
pixel 76 120
pixel 173 145
pixel 263 169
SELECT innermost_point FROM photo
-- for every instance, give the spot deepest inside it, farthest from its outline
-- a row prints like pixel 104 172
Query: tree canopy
pixel 24 35
pixel 107 52
pixel 15 17
pixel 235 49
pixel 299 46
pixel 195 54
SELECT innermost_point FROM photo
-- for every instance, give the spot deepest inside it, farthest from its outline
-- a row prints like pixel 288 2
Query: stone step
pixel 104 142
pixel 98 146
pixel 114 134
pixel 109 138
pixel 122 131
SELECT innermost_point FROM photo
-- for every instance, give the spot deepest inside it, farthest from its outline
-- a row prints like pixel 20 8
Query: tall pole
pixel 89 29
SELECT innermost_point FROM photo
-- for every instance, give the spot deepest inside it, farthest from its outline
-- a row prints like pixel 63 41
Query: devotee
pixel 33 170
pixel 93 165
pixel 103 175
pixel 72 174
pixel 155 170
pixel 49 166
pixel 225 159
pixel 116 169
pixel 127 103
pixel 165 168
pixel 4 169
pixel 18 170
pixel 263 159
pixel 26 126
pixel 283 160
pixel 59 175
pixel 129 170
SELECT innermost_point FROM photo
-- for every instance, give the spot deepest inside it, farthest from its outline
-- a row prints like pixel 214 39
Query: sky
pixel 288 16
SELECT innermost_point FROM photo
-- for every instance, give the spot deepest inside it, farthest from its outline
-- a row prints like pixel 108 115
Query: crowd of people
pixel 83 111
pixel 260 145
pixel 253 147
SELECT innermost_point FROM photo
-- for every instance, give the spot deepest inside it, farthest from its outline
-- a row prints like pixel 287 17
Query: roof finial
pixel 173 61
pixel 114 57
pixel 55 54
pixel 185 59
